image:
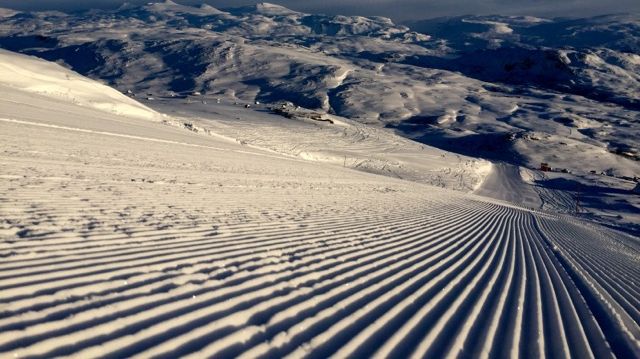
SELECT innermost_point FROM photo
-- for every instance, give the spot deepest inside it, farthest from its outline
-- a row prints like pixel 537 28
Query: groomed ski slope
pixel 125 238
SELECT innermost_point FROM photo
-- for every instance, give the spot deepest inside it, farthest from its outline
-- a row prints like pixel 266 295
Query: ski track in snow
pixel 235 265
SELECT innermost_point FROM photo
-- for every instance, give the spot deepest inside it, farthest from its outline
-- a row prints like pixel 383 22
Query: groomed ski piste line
pixel 403 272
pixel 437 279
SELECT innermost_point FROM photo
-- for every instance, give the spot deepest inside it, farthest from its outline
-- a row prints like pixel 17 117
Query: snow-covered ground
pixel 124 236
pixel 49 79
pixel 593 197
pixel 519 91
pixel 329 139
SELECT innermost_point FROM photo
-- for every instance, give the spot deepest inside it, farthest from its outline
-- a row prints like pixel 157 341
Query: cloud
pixel 396 9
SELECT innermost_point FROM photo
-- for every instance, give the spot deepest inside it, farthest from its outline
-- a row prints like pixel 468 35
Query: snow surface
pixel 127 237
pixel 33 75
pixel 332 139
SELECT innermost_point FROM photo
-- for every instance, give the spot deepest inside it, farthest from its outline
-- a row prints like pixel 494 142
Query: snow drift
pixel 33 75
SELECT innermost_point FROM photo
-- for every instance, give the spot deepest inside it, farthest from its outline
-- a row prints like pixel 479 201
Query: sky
pixel 399 10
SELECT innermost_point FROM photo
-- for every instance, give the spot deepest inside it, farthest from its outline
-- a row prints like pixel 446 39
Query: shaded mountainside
pixel 595 57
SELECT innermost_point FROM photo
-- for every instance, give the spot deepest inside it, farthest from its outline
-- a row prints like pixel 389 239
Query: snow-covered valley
pixel 271 199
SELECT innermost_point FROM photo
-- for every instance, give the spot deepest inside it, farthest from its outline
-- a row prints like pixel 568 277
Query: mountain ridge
pixel 482 86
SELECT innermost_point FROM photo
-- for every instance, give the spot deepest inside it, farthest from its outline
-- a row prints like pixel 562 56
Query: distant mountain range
pixel 484 85
pixel 595 57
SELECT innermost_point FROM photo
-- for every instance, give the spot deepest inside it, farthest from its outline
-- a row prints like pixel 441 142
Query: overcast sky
pixel 398 10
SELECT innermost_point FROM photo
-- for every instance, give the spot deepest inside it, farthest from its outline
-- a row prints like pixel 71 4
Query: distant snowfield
pixel 334 140
pixel 126 237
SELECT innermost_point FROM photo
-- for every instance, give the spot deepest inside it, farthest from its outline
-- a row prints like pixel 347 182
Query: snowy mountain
pixel 468 81
pixel 520 90
pixel 596 58
pixel 125 233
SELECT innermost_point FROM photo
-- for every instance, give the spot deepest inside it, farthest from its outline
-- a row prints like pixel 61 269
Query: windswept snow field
pixel 123 236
